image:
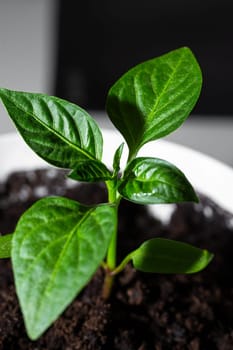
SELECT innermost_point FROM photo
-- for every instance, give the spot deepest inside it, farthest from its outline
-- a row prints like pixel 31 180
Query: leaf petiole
pixel 122 265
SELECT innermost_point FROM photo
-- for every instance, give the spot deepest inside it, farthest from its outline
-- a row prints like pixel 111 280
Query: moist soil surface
pixel 145 311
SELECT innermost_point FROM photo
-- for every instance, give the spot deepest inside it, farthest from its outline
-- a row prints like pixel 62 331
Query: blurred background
pixel 76 50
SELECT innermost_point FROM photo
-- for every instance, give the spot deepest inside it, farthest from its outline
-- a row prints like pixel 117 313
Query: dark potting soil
pixel 145 311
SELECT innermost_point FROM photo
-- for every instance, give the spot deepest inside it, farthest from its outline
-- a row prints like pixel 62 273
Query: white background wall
pixel 27 58
pixel 27 47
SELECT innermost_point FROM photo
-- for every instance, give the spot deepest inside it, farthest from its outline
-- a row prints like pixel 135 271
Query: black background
pixel 99 40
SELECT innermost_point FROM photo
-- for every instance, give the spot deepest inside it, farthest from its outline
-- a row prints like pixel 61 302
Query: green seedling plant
pixel 58 243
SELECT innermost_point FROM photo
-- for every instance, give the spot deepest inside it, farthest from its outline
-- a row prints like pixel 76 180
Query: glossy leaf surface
pixel 57 246
pixel 155 97
pixel 91 171
pixel 168 256
pixel 58 131
pixel 153 181
pixel 5 246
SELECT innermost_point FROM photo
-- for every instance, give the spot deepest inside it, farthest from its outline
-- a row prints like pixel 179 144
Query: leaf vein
pixel 151 114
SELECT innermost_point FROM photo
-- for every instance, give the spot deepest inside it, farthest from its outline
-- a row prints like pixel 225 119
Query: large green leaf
pixel 5 246
pixel 155 97
pixel 58 131
pixel 57 246
pixel 154 181
pixel 168 256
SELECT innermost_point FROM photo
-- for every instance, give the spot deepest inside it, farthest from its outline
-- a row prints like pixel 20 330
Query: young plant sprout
pixel 59 243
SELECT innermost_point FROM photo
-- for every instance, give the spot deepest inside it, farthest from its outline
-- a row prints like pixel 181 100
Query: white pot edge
pixel 207 175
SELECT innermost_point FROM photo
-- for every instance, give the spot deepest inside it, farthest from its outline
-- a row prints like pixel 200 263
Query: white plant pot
pixel 207 175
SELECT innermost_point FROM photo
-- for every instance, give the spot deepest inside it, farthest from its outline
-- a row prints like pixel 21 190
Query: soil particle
pixel 145 311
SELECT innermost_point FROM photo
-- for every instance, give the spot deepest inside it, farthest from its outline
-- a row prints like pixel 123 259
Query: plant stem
pixel 110 265
pixel 107 286
pixel 112 250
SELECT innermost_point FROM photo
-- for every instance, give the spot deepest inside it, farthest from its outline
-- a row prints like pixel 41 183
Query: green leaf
pixel 169 256
pixel 91 171
pixel 117 158
pixel 155 97
pixel 5 246
pixel 57 246
pixel 58 131
pixel 155 181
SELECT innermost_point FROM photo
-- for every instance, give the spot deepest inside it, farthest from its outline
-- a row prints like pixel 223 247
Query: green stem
pixel 112 250
pixel 111 254
pixel 110 264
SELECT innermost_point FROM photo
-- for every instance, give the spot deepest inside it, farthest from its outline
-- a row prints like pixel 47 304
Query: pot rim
pixel 207 175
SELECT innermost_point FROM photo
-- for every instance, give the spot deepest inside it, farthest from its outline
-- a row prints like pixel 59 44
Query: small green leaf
pixel 117 158
pixel 57 246
pixel 155 97
pixel 168 256
pixel 58 131
pixel 5 246
pixel 91 171
pixel 155 181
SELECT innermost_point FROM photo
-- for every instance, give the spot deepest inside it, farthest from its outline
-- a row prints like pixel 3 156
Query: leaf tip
pixel 208 256
pixel 205 258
